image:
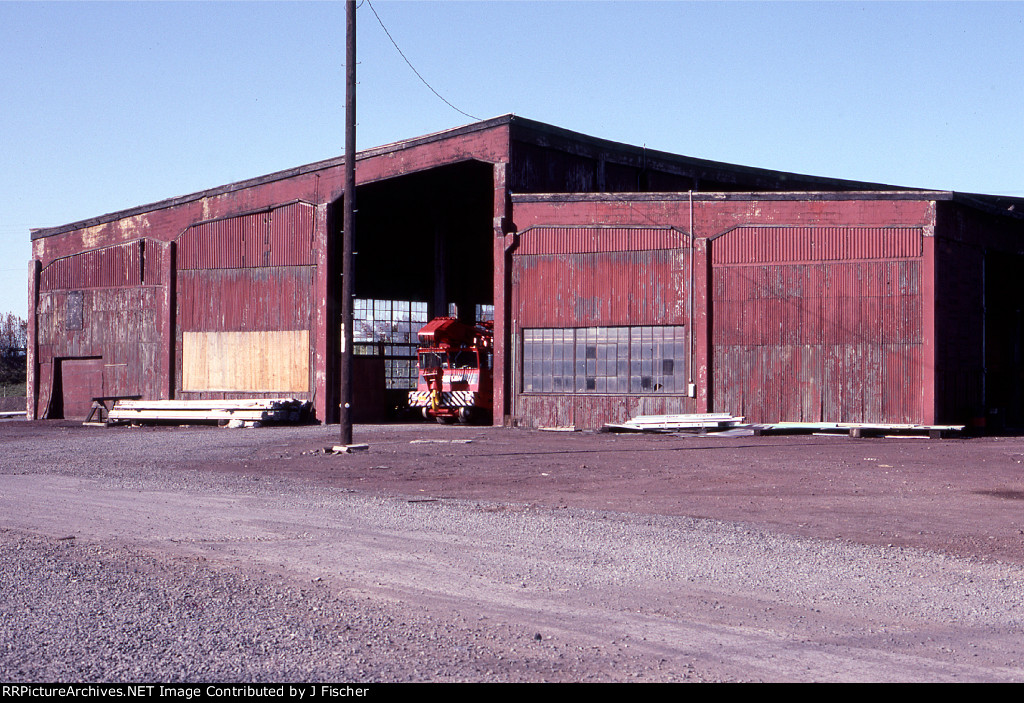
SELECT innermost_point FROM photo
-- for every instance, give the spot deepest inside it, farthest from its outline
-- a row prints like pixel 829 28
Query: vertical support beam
pixel 348 287
pixel 502 295
pixel 168 334
pixel 321 333
pixel 928 346
pixel 702 325
pixel 35 268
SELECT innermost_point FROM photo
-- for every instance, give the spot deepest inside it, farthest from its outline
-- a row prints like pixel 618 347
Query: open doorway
pixel 424 249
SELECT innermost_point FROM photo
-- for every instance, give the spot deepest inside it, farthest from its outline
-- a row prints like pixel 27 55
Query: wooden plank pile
pixel 188 411
pixel 700 422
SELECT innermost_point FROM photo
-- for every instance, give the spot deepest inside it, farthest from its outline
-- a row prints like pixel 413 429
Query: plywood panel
pixel 262 361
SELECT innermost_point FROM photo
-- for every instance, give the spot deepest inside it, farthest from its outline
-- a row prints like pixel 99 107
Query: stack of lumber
pixel 672 423
pixel 250 410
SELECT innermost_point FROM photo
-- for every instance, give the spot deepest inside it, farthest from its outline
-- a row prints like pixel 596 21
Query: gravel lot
pixel 200 554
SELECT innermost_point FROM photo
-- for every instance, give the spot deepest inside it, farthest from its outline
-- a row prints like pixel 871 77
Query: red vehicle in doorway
pixel 456 379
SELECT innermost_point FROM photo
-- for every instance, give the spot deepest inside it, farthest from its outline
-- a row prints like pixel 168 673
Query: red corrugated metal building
pixel 621 281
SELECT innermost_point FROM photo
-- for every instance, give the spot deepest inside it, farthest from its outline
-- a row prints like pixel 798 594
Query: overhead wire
pixel 424 80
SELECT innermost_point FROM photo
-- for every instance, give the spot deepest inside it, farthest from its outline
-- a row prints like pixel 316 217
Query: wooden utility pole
pixel 349 224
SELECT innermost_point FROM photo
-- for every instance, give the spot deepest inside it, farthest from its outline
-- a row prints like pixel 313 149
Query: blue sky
pixel 108 105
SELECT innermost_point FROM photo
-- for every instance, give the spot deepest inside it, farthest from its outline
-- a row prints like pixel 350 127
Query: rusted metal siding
pixel 251 273
pixel 113 266
pixel 119 327
pixel 577 277
pixel 753 244
pixel 593 411
pixel 816 325
pixel 96 322
pixel 715 213
pixel 271 298
pixel 601 289
pixel 279 237
pixel 592 240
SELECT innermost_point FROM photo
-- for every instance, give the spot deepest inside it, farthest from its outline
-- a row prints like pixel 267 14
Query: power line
pixel 413 67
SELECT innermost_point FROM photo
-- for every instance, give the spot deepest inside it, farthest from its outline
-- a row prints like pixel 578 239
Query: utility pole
pixel 349 223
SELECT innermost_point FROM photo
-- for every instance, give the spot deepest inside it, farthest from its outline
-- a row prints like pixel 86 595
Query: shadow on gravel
pixel 634 450
pixel 1008 495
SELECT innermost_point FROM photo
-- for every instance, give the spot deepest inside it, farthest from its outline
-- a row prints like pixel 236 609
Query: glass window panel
pixel 644 359
pixel 581 382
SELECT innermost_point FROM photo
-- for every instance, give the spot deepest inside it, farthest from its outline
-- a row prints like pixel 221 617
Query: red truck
pixel 456 377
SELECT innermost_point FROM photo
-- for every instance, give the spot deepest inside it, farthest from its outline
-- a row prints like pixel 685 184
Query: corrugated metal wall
pixel 99 307
pixel 279 237
pixel 577 277
pixel 114 266
pixel 818 324
pixel 265 298
pixel 116 324
pixel 251 273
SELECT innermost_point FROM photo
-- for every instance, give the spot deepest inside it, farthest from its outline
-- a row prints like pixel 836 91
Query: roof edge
pixel 736 195
pixel 41 232
pixel 693 161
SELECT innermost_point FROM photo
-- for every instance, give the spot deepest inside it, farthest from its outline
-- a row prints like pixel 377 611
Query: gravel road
pixel 125 557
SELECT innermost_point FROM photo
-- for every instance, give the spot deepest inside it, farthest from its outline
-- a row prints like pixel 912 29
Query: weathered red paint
pixel 819 320
pixel 113 266
pixel 564 277
pixel 81 381
pixel 120 326
pixel 260 250
pixel 251 272
pixel 238 226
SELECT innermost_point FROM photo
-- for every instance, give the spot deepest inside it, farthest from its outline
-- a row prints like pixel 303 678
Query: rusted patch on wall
pixel 814 339
pixel 568 278
pixel 119 265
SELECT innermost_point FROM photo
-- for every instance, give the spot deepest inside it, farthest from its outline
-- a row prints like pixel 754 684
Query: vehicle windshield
pixel 433 360
pixel 465 359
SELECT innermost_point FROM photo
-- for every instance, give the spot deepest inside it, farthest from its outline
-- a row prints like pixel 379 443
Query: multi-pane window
pixel 604 360
pixel 484 313
pixel 391 324
pixel 548 358
pixel 657 360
